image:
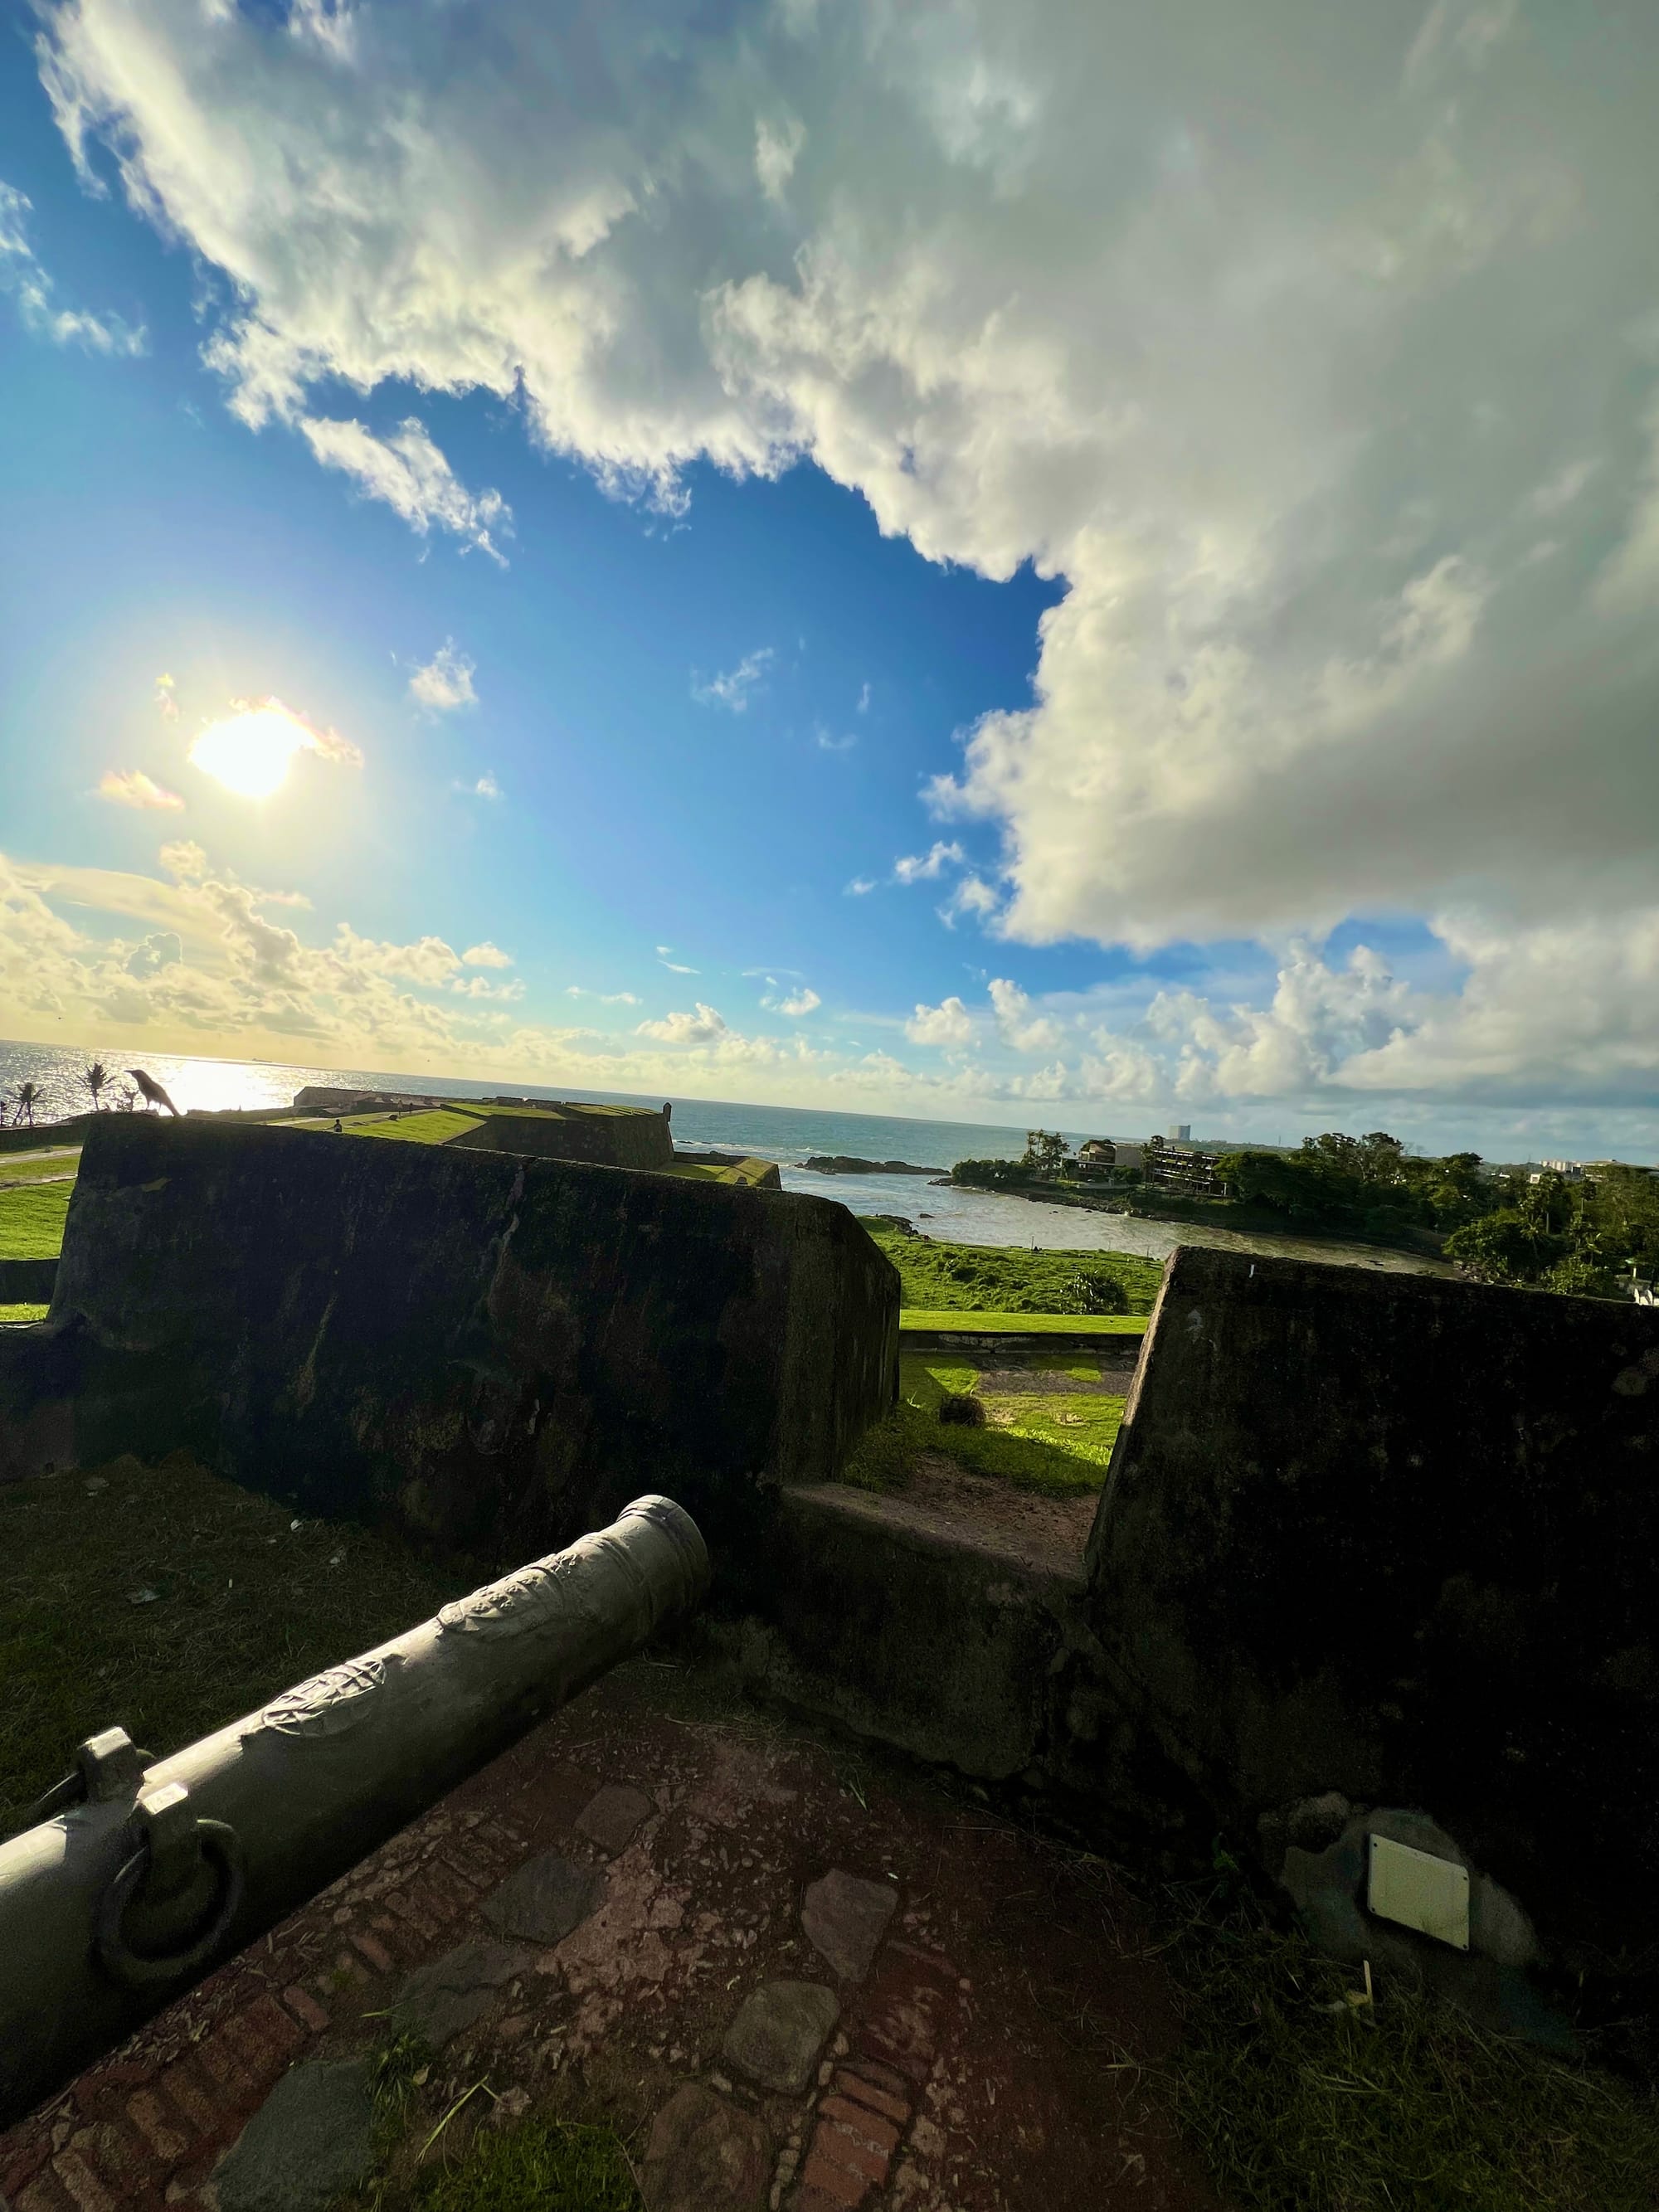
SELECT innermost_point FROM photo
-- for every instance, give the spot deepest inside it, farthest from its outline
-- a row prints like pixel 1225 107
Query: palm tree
pixel 27 1097
pixel 95 1078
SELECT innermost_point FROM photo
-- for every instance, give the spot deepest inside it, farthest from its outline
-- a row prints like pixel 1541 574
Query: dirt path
pixel 986 2003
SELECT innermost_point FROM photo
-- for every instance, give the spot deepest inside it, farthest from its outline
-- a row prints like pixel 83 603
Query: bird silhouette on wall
pixel 154 1094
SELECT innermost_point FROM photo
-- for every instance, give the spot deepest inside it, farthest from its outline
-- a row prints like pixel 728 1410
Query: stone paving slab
pixel 973 2061
pixel 308 2141
pixel 845 1919
pixel 544 1901
pixel 779 2031
pixel 447 1994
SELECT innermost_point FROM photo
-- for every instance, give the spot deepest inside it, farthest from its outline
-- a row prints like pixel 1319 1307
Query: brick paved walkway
pixel 991 2002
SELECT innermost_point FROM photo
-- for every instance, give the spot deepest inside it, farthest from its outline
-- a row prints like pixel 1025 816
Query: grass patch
pixel 243 1606
pixel 1058 1445
pixel 1023 1324
pixel 32 1221
pixel 434 1128
pixel 23 1313
pixel 32 1167
pixel 1003 1279
pixel 433 2153
pixel 1300 2100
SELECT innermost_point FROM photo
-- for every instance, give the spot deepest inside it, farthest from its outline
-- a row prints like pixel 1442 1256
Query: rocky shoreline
pixel 844 1164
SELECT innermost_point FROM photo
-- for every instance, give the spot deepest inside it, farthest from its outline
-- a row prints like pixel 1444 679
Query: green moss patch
pixel 32 1221
pixel 168 1601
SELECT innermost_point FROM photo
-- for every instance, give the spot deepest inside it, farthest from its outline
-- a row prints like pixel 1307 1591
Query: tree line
pixel 1585 1237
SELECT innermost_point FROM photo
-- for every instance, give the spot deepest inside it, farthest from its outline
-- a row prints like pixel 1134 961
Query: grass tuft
pixel 554 2166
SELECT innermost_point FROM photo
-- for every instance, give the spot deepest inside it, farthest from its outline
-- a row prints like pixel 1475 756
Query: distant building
pixel 1193 1175
pixel 1180 1132
pixel 1096 1152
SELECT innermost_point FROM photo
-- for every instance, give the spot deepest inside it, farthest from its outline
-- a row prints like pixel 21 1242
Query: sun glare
pixel 250 750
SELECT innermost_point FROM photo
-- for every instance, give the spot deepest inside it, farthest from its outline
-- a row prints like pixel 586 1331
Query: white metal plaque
pixel 1419 1891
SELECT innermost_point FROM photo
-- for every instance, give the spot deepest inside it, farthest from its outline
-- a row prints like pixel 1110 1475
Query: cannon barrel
pixel 153 1873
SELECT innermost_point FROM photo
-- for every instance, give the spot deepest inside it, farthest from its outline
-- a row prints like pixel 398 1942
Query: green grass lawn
pixel 1023 1324
pixel 242 1605
pixel 22 1313
pixel 1051 1441
pixel 32 1221
pixel 30 1167
pixel 436 1127
pixel 1004 1279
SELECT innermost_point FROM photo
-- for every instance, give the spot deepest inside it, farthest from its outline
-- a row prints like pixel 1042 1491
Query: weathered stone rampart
pixel 497 1352
pixel 1395 1541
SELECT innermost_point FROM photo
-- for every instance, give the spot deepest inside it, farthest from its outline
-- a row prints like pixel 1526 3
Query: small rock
pixel 719 2081
pixel 845 1919
pixel 94 1484
pixel 511 2105
pixel 611 1818
pixel 448 1994
pixel 142 1596
pixel 705 2156
pixel 545 1900
pixel 310 2141
pixel 779 2031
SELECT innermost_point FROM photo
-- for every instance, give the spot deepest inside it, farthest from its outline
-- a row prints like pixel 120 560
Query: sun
pixel 251 750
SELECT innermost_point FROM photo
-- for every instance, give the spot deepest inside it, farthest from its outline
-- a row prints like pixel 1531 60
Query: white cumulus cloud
pixel 949 1022
pixel 131 786
pixel 446 680
pixel 1276 353
pixel 701 1026
pixel 412 477
pixel 926 867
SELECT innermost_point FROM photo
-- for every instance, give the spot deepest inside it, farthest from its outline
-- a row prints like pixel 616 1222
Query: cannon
pixel 137 1877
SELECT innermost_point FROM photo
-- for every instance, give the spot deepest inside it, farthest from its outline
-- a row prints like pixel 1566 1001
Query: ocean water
pixel 788 1134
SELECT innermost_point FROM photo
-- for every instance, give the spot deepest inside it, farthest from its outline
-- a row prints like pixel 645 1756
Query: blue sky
pixel 795 565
